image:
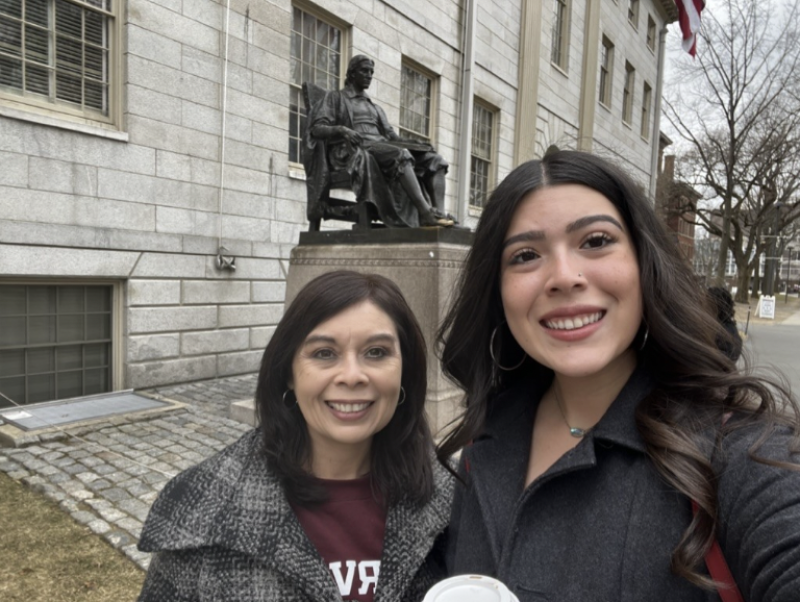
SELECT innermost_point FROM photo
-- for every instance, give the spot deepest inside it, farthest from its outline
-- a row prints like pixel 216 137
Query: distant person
pixel 337 493
pixel 729 343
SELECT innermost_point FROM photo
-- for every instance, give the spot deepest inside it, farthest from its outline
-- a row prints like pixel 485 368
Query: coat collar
pixel 233 501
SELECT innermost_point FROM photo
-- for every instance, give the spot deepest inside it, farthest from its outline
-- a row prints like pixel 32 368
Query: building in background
pixel 147 146
pixel 674 202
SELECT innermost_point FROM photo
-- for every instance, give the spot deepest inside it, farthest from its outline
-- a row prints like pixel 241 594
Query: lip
pixel 349 416
pixel 576 334
pixel 571 311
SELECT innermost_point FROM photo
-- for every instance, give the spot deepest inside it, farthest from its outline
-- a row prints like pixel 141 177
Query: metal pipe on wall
pixel 467 87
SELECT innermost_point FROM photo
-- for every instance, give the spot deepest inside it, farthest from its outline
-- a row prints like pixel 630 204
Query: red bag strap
pixel 719 570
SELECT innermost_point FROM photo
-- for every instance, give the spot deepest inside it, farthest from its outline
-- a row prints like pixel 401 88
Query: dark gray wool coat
pixel 600 525
pixel 224 531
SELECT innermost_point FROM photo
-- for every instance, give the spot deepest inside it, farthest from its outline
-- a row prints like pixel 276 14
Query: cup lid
pixel 470 588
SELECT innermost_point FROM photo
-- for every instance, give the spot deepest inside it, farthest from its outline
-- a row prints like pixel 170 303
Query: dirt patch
pixel 47 557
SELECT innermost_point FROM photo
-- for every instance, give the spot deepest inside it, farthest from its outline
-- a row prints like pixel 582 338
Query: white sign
pixel 766 307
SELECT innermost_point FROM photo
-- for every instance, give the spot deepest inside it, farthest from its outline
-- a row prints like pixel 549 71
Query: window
pixel 416 91
pixel 483 127
pixel 606 71
pixel 651 33
pixel 647 94
pixel 633 13
pixel 55 341
pixel 559 52
pixel 316 56
pixel 61 55
pixel 627 93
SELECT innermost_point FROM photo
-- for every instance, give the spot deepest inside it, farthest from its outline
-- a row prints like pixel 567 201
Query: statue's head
pixel 356 63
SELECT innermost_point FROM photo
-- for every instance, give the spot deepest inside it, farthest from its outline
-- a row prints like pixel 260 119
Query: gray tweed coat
pixel 223 530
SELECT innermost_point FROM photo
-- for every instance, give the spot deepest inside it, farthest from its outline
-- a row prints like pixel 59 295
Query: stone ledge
pixel 243 411
pixel 12 436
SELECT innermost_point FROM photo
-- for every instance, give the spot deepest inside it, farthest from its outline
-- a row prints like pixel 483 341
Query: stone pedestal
pixel 424 262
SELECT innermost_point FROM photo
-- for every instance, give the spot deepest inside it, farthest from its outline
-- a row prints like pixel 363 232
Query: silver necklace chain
pixel 573 430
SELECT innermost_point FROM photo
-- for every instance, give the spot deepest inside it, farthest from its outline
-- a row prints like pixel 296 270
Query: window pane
pixel 41 360
pixel 96 381
pixel 12 331
pixel 70 384
pixel 70 299
pixel 41 300
pixel 70 328
pixel 12 362
pixel 96 355
pixel 69 358
pixel 12 300
pixel 36 12
pixel 41 329
pixel 41 388
pixel 11 7
pixel 98 298
pixel 14 389
pixel 10 72
pixel 10 36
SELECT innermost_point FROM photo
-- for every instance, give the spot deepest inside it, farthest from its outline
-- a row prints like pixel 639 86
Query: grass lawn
pixel 45 556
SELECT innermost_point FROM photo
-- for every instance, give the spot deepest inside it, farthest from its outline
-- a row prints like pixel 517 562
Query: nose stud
pixel 580 274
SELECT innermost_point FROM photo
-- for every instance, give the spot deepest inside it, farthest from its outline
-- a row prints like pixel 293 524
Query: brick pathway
pixel 107 477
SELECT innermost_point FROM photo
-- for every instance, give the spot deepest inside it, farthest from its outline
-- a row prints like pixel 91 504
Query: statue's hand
pixel 351 136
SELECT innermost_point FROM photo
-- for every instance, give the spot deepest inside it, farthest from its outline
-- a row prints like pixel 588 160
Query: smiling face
pixel 570 282
pixel 346 375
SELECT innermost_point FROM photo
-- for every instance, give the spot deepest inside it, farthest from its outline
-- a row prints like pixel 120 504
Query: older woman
pixel 336 496
pixel 599 408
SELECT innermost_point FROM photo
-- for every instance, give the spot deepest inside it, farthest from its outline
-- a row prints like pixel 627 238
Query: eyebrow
pixel 535 235
pixel 375 338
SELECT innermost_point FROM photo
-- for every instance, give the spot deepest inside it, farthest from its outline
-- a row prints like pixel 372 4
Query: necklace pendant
pixel 576 432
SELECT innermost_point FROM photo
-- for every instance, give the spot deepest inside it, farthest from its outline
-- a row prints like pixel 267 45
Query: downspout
pixel 467 88
pixel 656 137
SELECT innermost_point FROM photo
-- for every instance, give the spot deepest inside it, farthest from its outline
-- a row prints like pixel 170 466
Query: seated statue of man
pixel 403 178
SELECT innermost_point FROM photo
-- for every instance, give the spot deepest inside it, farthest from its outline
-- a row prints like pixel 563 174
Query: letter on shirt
pixel 344 585
pixel 368 574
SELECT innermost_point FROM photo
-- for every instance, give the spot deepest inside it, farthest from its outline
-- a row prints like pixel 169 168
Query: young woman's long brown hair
pixel 696 384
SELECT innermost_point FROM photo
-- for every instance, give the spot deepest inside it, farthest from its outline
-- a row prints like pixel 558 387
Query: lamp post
pixel 790 248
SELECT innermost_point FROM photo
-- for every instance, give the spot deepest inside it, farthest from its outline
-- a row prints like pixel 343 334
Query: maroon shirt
pixel 347 530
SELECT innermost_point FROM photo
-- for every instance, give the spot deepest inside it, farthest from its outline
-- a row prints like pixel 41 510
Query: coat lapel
pixel 409 537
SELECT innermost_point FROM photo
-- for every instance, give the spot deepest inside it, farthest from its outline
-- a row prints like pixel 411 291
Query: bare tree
pixel 737 109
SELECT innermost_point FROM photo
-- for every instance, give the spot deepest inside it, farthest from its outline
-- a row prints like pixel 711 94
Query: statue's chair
pixel 336 153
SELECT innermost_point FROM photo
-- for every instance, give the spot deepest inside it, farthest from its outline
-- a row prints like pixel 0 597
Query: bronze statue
pixel 403 179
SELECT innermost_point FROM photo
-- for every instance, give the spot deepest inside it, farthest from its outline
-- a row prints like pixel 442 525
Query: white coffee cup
pixel 470 588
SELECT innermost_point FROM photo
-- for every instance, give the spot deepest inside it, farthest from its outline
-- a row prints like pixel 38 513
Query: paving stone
pixel 117 477
pixel 18 474
pixel 115 494
pixel 131 525
pixel 104 469
pixel 9 466
pixel 83 517
pixel 99 485
pixel 87 477
pixel 58 477
pixel 52 455
pixel 74 469
pixel 98 526
pixel 135 508
pixel 91 462
pixel 118 538
pixel 48 470
pixel 110 514
pixel 83 494
pixel 62 462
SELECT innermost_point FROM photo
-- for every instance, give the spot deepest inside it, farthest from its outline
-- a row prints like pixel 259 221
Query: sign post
pixel 766 307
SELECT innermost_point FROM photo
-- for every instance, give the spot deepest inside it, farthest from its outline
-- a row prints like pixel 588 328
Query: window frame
pixel 628 89
pixel 31 106
pixel 559 44
pixel 344 45
pixel 491 176
pixel 647 102
pixel 606 79
pixel 116 360
pixel 430 138
pixel 633 13
pixel 652 33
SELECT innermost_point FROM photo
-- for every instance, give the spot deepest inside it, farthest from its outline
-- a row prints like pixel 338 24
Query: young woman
pixel 336 497
pixel 598 407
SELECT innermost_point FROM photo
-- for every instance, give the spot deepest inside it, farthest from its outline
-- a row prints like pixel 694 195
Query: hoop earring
pixel 403 398
pixel 646 334
pixel 494 359
pixel 290 404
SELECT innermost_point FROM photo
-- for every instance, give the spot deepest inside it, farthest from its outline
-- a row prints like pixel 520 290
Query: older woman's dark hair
pixel 696 384
pixel 401 451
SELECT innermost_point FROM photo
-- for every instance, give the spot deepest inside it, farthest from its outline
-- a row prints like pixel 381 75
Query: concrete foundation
pixel 424 262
